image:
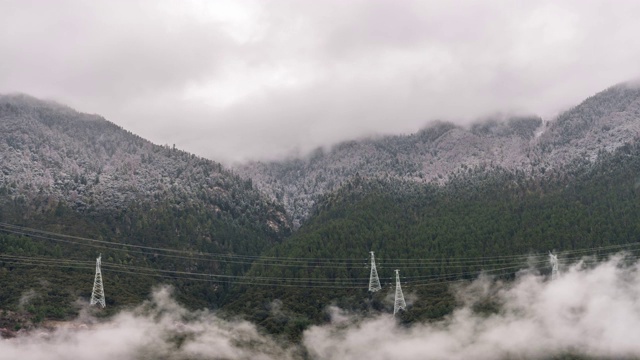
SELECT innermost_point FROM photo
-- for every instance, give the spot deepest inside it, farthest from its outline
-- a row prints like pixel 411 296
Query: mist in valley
pixel 591 310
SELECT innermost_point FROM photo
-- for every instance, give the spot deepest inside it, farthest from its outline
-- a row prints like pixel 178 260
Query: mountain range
pixel 499 187
pixel 601 123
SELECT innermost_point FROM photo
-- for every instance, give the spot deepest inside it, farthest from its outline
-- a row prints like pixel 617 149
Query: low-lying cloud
pixel 591 310
pixel 158 329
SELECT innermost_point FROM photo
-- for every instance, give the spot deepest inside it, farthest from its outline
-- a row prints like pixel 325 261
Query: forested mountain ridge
pixel 601 123
pixel 53 153
pixel 487 221
pixel 503 187
pixel 74 174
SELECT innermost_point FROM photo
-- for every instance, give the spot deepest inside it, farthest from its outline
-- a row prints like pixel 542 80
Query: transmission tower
pixel 399 303
pixel 553 259
pixel 97 295
pixel 374 281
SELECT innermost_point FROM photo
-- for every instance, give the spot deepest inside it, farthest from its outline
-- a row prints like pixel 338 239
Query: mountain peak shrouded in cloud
pixel 28 101
pixel 443 150
pixel 239 80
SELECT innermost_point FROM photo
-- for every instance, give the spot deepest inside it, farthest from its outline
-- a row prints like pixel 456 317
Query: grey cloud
pixel 235 80
pixel 110 52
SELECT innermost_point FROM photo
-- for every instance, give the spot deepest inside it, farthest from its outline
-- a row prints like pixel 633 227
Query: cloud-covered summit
pixel 236 80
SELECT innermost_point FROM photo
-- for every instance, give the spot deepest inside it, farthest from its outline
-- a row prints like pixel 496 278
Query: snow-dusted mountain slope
pixel 51 153
pixel 603 122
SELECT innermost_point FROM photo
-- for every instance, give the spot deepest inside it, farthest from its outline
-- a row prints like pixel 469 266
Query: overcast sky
pixel 236 80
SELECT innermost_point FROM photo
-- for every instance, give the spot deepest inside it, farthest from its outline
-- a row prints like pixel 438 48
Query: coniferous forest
pixel 482 214
pixel 161 216
pixel 505 220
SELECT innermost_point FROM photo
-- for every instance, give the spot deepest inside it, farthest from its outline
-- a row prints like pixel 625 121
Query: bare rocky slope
pixel 601 123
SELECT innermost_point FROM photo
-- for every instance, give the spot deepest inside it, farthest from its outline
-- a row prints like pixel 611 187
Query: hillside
pixel 601 123
pixel 492 221
pixel 74 185
pixel 75 174
pixel 90 164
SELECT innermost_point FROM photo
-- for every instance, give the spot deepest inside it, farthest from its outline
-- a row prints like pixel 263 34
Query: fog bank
pixel 592 310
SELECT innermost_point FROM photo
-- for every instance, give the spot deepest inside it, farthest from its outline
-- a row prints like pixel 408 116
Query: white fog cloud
pixel 592 311
pixel 159 329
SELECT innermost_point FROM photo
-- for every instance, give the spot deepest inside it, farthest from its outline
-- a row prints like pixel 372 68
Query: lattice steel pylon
pixel 399 304
pixel 553 259
pixel 97 295
pixel 374 281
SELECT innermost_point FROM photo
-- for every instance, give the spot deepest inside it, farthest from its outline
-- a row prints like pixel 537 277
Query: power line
pixel 193 255
pixel 225 276
pixel 447 264
pixel 243 279
pixel 26 231
pixel 483 265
